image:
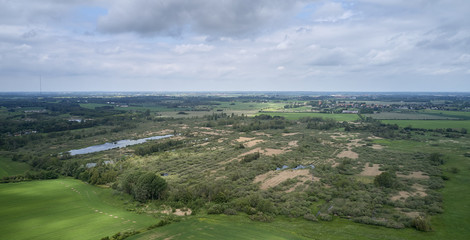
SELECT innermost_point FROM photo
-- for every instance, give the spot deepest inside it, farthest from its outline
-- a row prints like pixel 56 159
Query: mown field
pixel 431 124
pixel 239 227
pixel 63 209
pixel 9 167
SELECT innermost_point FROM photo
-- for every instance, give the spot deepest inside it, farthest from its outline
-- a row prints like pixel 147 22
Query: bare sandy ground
pixel 348 154
pixel 252 143
pixel 403 195
pixel 244 139
pixel 371 171
pixel 417 175
pixel 274 178
pixel 178 212
pixel 289 134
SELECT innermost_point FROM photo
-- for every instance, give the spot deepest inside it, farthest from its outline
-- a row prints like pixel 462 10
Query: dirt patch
pixel 371 171
pixel 262 134
pixel 420 190
pixel 274 178
pixel 211 133
pixel 244 139
pixel 272 152
pixel 178 212
pixel 266 151
pixel 289 134
pixel 348 154
pixel 293 144
pixel 294 187
pixel 221 140
pixel 377 147
pixel 250 152
pixel 355 143
pixel 402 195
pixel 417 175
pixel 252 143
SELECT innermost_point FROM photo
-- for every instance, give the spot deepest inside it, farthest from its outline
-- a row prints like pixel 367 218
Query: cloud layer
pixel 196 45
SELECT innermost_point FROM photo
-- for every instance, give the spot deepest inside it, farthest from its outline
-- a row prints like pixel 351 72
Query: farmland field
pixel 408 116
pixel 63 209
pixel 295 116
pixel 430 124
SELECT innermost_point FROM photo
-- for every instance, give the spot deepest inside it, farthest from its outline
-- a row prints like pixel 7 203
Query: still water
pixel 118 144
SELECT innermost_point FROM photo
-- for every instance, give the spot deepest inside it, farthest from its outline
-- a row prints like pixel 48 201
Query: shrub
pixel 325 217
pixel 422 224
pixel 230 211
pixel 250 157
pixel 436 159
pixel 386 180
pixel 310 217
pixel 261 217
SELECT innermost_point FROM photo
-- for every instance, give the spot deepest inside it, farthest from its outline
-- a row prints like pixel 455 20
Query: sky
pixel 235 45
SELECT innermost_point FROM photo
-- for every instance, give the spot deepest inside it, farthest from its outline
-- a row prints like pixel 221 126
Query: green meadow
pixel 431 124
pixel 10 168
pixel 240 227
pixel 63 209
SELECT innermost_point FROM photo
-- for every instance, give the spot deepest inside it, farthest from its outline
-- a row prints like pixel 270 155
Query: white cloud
pixel 184 48
pixel 355 45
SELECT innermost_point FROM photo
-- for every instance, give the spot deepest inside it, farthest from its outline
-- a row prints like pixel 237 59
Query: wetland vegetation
pixel 278 165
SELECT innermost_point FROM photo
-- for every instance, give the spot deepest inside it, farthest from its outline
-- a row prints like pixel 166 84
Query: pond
pixel 118 144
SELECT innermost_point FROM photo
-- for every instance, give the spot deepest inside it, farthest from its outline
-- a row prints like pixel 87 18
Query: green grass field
pixel 431 124
pixel 63 209
pixel 409 116
pixel 295 116
pixel 454 114
pixel 240 227
pixel 9 167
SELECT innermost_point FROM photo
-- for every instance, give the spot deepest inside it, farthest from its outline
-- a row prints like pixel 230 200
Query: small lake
pixel 118 144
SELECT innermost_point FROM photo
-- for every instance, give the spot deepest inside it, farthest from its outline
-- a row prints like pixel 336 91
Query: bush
pixel 230 211
pixel 386 180
pixel 216 209
pixel 436 159
pixel 325 217
pixel 310 217
pixel 250 157
pixel 422 224
pixel 262 217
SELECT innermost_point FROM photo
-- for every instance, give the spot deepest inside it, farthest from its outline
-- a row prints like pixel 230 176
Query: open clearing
pixel 63 209
pixel 371 171
pixel 274 178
